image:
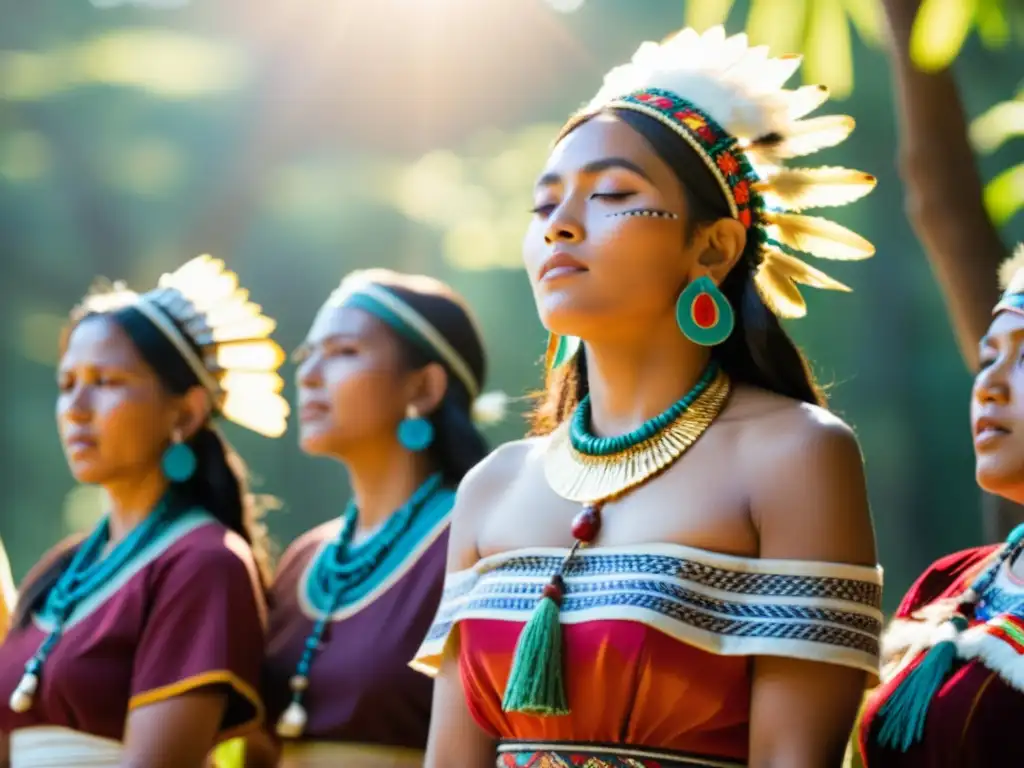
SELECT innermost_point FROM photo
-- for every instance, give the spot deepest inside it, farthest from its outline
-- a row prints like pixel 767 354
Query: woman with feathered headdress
pixel 143 643
pixel 953 688
pixel 608 604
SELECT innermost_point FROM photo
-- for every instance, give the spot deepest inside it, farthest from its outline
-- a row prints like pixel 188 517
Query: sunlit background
pixel 300 140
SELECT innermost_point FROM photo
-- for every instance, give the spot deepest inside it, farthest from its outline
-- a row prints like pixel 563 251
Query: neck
pixel 382 481
pixel 131 501
pixel 633 382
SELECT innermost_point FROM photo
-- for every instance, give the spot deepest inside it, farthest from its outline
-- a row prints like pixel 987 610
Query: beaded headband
pixel 359 290
pixel 1011 280
pixel 726 101
pixel 201 307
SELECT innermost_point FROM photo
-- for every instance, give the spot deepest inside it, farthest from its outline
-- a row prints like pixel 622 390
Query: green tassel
pixel 904 713
pixel 535 683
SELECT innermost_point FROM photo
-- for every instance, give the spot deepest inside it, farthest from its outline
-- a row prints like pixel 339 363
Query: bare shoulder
pixel 808 496
pixel 480 491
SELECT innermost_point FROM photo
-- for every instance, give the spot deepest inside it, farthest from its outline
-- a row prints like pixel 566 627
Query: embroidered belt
pixel 331 754
pixel 522 754
pixel 50 746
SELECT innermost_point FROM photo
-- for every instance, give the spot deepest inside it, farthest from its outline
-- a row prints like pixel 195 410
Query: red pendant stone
pixel 586 524
pixel 705 313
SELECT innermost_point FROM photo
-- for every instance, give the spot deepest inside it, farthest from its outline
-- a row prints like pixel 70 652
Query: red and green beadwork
pixel 718 148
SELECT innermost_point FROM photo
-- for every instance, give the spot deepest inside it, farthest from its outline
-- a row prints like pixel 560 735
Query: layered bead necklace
pixel 337 569
pixel 582 467
pixel 88 571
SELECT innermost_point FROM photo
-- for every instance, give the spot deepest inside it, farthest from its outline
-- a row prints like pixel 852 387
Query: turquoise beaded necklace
pixel 591 445
pixel 338 568
pixel 88 571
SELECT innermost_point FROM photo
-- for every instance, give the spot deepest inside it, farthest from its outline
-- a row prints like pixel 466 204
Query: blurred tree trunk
pixel 946 208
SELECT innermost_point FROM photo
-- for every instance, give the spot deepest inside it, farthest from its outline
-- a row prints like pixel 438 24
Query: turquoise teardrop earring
pixel 561 349
pixel 179 460
pixel 414 432
pixel 703 313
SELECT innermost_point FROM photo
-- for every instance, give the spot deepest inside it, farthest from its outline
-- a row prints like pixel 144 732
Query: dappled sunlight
pixel 149 166
pixel 166 64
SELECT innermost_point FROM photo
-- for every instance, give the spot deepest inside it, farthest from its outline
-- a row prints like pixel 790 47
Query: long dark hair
pixel 220 484
pixel 759 352
pixel 458 445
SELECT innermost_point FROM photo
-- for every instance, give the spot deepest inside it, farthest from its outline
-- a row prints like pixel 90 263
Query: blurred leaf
pixel 993 26
pixel 779 24
pixel 828 58
pixel 996 126
pixel 939 32
pixel 701 14
pixel 1004 195
pixel 868 18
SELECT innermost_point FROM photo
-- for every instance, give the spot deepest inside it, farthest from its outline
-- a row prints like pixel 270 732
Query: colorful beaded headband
pixel 1011 280
pixel 200 306
pixel 726 101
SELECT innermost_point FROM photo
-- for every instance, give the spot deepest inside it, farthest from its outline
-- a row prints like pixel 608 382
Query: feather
pixel 779 292
pixel 804 137
pixel 1010 269
pixel 253 328
pixel 263 355
pixel 798 188
pixel 818 237
pixel 264 413
pixel 799 271
pixel 248 381
pixel 805 100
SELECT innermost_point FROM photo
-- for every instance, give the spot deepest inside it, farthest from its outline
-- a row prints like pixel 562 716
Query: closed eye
pixel 612 195
pixel 544 209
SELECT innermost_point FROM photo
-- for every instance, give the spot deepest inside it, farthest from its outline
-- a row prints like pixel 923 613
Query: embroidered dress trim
pixel 432 521
pixel 731 606
pixel 182 526
pixel 522 754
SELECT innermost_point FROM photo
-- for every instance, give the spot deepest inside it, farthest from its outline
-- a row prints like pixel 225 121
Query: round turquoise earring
pixel 703 313
pixel 414 432
pixel 179 460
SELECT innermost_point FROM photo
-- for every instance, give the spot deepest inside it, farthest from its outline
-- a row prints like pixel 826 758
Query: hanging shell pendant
pixel 292 722
pixel 24 694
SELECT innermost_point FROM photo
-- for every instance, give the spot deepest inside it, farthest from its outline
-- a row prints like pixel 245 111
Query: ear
pixel 428 387
pixel 721 245
pixel 193 411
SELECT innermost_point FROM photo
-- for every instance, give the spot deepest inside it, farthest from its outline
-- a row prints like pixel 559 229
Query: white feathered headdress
pixel 201 307
pixel 727 101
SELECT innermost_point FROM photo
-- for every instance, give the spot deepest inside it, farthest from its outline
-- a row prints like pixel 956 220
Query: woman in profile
pixel 954 688
pixel 678 569
pixel 142 644
pixel 387 380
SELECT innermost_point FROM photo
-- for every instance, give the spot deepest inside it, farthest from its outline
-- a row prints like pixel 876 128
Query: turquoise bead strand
pixel 590 445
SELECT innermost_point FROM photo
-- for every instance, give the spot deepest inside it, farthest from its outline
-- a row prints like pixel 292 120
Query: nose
pixel 992 386
pixel 562 227
pixel 308 373
pixel 74 407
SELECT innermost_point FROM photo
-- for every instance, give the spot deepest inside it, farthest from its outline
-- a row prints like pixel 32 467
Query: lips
pixel 988 430
pixel 76 443
pixel 559 265
pixel 312 411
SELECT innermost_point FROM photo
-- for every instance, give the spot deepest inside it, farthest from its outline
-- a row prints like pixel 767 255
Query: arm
pixel 455 738
pixel 944 197
pixel 262 750
pixel 809 503
pixel 198 661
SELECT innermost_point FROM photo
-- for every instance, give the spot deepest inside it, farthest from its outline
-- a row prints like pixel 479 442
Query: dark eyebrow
pixel 604 164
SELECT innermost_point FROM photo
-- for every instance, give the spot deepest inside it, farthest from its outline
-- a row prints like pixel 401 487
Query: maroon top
pixel 361 688
pixel 974 720
pixel 186 613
